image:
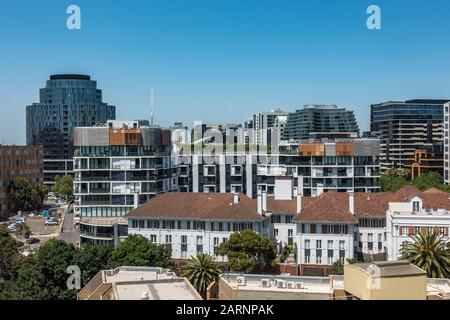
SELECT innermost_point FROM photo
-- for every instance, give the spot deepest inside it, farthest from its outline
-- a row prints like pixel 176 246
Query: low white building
pixel 413 213
pixel 192 223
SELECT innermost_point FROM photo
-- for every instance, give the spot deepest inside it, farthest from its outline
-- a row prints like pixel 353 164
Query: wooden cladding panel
pixel 312 149
pixel 122 137
pixel 344 149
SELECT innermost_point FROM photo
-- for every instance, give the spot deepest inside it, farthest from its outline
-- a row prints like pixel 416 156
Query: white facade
pixel 446 143
pixel 188 238
pixel 317 248
pixel 404 219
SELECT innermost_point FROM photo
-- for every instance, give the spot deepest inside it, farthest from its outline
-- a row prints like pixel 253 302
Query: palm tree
pixel 430 252
pixel 201 271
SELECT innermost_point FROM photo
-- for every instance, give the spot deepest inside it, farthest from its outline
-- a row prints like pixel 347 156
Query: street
pixel 69 234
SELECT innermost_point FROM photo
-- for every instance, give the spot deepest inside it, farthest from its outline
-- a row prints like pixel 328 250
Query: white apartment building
pixel 192 223
pixel 117 166
pixel 446 143
pixel 422 212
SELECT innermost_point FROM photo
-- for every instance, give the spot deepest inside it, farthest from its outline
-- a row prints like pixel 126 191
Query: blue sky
pixel 223 60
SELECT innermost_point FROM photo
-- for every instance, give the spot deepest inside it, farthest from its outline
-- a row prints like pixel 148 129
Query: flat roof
pixel 387 269
pixel 253 282
pixel 168 289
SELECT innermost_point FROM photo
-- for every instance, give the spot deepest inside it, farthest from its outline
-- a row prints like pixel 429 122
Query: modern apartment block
pixel 317 119
pixel 193 223
pixel 118 165
pixel 67 101
pixel 446 141
pixel 268 127
pixel 340 165
pixel 406 126
pixel 18 161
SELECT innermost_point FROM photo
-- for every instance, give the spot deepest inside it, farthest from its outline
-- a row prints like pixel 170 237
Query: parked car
pixel 51 223
pixel 33 240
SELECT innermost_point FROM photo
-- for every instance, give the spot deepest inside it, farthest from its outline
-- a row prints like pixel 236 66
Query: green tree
pixel 137 250
pixel 430 180
pixel 247 249
pixel 27 196
pixel 285 252
pixel 52 261
pixel 22 230
pixel 201 271
pixel 337 268
pixel 30 285
pixel 430 252
pixel 393 180
pixel 91 259
pixel 63 187
pixel 9 254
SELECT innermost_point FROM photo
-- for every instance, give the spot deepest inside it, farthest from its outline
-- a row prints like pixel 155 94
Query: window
pixel 416 230
pixel 330 244
pixel 275 232
pixel 404 231
pixel 307 244
pixel 370 237
pixel 341 245
pixel 290 237
pixel 183 247
pixel 416 207
pixel 153 238
pixel 330 257
pixel 199 242
pixel 307 255
pixel 442 231
pixel 318 256
pixel 318 244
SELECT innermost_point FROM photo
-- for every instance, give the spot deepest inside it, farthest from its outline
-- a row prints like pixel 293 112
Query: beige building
pixel 138 283
pixel 397 280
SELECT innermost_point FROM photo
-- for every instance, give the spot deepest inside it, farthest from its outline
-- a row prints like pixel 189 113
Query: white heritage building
pixel 333 226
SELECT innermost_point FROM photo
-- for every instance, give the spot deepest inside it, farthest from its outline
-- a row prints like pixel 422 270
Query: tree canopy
pixel 63 187
pixel 27 196
pixel 247 249
pixel 137 250
pixel 395 179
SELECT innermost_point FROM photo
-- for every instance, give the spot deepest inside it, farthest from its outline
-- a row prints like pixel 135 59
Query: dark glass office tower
pixel 407 127
pixel 67 101
pixel 319 119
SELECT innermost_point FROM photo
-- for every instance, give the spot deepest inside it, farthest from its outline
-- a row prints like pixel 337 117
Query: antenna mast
pixel 152 107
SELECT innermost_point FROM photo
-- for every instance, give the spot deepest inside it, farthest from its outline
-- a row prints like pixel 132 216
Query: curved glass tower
pixel 67 101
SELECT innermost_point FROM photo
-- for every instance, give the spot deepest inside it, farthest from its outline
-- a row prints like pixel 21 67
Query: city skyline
pixel 206 57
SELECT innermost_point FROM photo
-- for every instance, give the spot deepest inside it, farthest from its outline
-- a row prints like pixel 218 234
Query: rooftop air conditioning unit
pixel 240 281
pixel 281 284
pixel 291 285
pixel 265 283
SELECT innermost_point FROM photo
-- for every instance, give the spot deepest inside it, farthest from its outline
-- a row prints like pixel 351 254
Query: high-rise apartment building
pixel 18 161
pixel 404 127
pixel 446 142
pixel 268 127
pixel 319 119
pixel 118 166
pixel 66 102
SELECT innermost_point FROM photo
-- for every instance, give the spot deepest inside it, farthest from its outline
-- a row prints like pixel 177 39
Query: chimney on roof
pixel 264 201
pixel 136 200
pixel 351 202
pixel 235 198
pixel 319 189
pixel 259 202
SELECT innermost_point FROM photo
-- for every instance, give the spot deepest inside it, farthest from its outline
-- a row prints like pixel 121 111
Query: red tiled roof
pixel 330 206
pixel 210 206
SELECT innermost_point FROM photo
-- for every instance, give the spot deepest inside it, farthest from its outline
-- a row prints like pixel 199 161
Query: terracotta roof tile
pixel 331 206
pixel 211 206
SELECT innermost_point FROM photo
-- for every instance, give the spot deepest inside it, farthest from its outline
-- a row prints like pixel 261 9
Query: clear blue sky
pixel 223 60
